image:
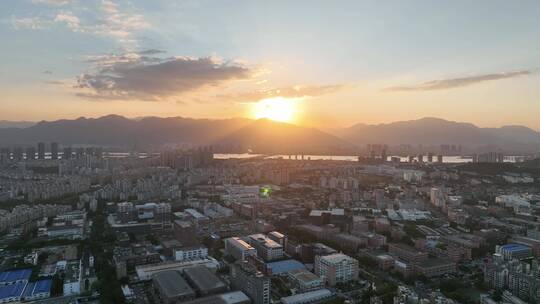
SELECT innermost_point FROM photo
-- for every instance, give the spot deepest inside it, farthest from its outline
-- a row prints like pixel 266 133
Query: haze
pixel 313 63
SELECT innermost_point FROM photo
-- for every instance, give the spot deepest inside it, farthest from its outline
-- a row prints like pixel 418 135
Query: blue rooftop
pixel 15 275
pixel 12 291
pixel 514 247
pixel 281 267
pixel 34 288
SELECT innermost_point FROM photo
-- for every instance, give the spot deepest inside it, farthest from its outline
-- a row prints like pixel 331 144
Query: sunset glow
pixel 277 109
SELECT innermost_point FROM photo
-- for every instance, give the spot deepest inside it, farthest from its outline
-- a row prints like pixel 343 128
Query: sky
pixel 332 63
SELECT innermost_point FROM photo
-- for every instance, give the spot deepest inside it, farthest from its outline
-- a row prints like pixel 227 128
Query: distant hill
pixel 5 124
pixel 437 131
pixel 270 136
pixel 113 130
pixel 266 136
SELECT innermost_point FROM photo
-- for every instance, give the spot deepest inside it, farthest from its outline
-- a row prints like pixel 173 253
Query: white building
pixel 267 248
pixel 72 282
pixel 336 268
pixel 437 197
pixel 145 272
pixel 239 248
pixel 190 253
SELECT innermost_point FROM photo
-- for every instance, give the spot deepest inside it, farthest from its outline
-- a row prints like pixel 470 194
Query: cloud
pixel 70 20
pixel 28 23
pixel 109 21
pixel 286 92
pixel 52 2
pixel 451 83
pixel 55 82
pixel 119 24
pixel 136 77
pixel 48 72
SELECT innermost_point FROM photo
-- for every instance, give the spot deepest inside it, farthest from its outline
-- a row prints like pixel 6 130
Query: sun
pixel 276 108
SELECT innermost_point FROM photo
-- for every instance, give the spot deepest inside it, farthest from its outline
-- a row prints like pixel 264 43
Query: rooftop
pixel 241 243
pixel 281 267
pixel 277 234
pixel 433 262
pixel 72 273
pixel 172 284
pixel 337 212
pixel 15 275
pixel 337 258
pixel 264 240
pixel 303 275
pixel 11 291
pixel 203 279
pixel 196 214
pixel 307 296
pixel 34 288
pixel 515 247
pixel 234 297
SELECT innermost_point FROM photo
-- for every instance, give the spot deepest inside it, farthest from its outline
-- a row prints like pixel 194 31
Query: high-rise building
pixel 4 155
pixel 30 153
pixel 336 268
pixel 67 153
pixel 252 282
pixel 90 151
pixel 54 150
pixel 99 152
pixel 437 197
pixel 18 154
pixel 41 150
pixel 519 278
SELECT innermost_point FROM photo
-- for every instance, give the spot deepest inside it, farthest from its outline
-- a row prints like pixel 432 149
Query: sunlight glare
pixel 277 109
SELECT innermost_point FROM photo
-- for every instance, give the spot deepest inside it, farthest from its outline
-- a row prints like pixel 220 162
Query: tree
pixel 57 288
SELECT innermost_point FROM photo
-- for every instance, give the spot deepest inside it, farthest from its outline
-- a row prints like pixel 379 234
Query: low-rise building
pixel 514 251
pixel 336 268
pixel 171 287
pixel 239 248
pixel 233 297
pixel 435 267
pixel 204 281
pixel 304 280
pixel 190 253
pixel 308 297
pixel 407 253
pixel 37 290
pixel 267 248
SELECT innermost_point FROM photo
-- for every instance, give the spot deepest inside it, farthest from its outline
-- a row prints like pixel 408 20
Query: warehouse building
pixel 171 287
pixel 234 297
pixel 204 281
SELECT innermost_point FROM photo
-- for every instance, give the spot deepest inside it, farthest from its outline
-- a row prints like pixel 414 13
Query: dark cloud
pixel 451 83
pixel 286 92
pixel 150 52
pixel 55 82
pixel 137 77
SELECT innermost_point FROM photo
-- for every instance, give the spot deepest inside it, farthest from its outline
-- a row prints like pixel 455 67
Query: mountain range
pixel 435 131
pixel 264 136
pixel 15 124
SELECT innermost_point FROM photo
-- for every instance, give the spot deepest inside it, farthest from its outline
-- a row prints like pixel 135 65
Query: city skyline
pixel 322 65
